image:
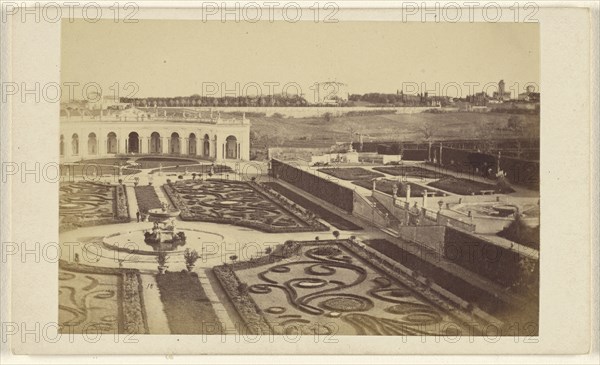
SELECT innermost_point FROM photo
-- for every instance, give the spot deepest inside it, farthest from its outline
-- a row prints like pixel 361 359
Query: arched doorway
pixel 206 146
pixel 111 143
pixel 192 144
pixel 175 146
pixel 155 146
pixel 92 144
pixel 62 145
pixel 231 147
pixel 133 143
pixel 75 144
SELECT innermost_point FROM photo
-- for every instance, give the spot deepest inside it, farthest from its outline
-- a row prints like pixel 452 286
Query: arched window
pixel 111 143
pixel 75 144
pixel 175 146
pixel 155 146
pixel 231 148
pixel 206 146
pixel 133 143
pixel 192 144
pixel 92 144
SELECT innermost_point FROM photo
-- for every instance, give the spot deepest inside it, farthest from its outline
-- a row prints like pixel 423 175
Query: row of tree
pixel 399 99
pixel 199 101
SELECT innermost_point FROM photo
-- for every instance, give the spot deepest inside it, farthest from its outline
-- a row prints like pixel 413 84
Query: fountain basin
pixel 163 214
pixel 132 242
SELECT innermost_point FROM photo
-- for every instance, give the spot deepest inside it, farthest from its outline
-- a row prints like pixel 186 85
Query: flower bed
pixel 365 284
pixel 87 203
pixel 467 187
pixel 251 314
pixel 186 305
pixel 246 307
pixel 121 209
pixel 147 198
pixel 131 313
pixel 351 173
pixel 237 203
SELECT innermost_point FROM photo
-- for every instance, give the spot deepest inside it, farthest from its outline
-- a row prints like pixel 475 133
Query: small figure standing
pixel 413 215
pixel 137 214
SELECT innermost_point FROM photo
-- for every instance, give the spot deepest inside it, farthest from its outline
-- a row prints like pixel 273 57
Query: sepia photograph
pixel 278 178
pixel 272 182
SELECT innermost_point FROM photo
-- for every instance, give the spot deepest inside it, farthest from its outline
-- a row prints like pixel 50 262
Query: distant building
pixel 530 96
pixel 479 99
pixel 501 94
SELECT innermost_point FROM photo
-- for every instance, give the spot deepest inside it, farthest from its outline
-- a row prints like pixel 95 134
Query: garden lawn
pixel 411 171
pixel 186 305
pixel 467 187
pixel 147 198
pixel 331 217
pixel 386 186
pixel 351 173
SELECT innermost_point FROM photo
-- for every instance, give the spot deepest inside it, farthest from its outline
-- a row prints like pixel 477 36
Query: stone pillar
pixel 425 199
pixel 429 153
pixel 215 149
pixel 407 192
pixel 121 145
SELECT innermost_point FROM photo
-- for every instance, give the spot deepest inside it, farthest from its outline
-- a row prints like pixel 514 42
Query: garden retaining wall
pixel 340 196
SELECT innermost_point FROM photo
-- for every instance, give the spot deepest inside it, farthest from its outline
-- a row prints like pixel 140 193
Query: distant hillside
pixel 405 127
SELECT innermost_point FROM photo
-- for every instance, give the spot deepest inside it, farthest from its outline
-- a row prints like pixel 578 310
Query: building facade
pixel 88 137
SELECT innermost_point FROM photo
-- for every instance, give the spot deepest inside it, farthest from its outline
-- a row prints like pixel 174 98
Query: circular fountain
pixel 164 235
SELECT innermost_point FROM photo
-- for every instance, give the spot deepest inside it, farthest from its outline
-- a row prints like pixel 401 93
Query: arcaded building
pixel 131 131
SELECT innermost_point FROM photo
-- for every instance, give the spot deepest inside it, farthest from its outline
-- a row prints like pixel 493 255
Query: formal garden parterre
pixel 86 203
pixel 239 203
pixel 331 287
pixel 100 300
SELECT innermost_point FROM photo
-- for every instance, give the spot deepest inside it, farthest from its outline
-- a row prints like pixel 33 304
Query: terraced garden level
pixel 238 203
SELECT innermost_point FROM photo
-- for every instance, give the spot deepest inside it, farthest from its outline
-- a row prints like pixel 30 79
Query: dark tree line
pixel 199 101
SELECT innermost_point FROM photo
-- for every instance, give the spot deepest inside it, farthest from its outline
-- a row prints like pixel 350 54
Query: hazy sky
pixel 183 57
